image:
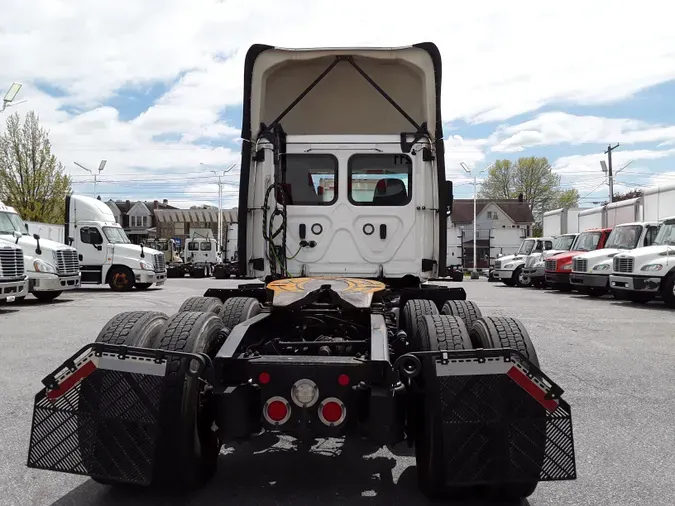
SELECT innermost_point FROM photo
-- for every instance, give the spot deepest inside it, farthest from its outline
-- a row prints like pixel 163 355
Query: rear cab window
pixel 379 179
pixel 311 179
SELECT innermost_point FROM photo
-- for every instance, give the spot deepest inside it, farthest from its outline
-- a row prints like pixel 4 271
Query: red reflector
pixel 331 412
pixel 264 378
pixel 343 380
pixel 277 411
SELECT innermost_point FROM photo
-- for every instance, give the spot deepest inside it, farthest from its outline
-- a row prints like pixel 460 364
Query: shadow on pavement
pixel 282 476
pixel 654 305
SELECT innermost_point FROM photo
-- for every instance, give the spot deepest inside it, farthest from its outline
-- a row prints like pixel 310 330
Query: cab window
pixel 90 235
pixel 193 246
pixel 205 246
pixel 380 179
pixel 548 245
pixel 311 179
pixel 650 235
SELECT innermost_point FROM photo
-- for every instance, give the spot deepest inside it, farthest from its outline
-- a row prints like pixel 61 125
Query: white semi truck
pixel 647 273
pixel 534 272
pixel 51 267
pixel 509 268
pixel 591 270
pixel 201 254
pixel 13 279
pixel 105 253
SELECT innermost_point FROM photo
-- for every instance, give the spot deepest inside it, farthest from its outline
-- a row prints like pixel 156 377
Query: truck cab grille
pixel 498 264
pixel 580 265
pixel 624 264
pixel 550 265
pixel 11 263
pixel 67 263
pixel 159 262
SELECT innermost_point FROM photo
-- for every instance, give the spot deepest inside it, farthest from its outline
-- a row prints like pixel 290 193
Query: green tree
pixel 534 178
pixel 32 180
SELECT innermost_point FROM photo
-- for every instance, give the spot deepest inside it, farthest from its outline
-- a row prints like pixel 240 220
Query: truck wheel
pixel 504 332
pixel 121 279
pixel 239 309
pixel 187 446
pixel 413 312
pixel 509 282
pixel 520 280
pixel 669 291
pixel 134 328
pixel 467 310
pixel 46 296
pixel 436 332
pixel 202 304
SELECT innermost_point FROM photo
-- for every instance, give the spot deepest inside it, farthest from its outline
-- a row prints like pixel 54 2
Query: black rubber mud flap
pixel 467 310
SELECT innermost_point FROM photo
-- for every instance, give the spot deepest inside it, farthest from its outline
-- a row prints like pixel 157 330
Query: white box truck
pixel 647 273
pixel 105 253
pixel 592 218
pixel 13 279
pixel 561 221
pixel 51 267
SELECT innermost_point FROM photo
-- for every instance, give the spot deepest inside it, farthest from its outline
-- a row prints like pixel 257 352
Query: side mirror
pixel 450 195
pixel 16 234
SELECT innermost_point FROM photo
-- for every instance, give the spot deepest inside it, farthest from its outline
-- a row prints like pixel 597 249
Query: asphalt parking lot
pixel 616 362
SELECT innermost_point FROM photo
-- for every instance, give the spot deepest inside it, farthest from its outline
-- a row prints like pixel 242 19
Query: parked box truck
pixel 561 221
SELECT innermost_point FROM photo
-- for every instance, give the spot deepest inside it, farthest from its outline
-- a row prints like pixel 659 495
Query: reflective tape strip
pixel 521 379
pixel 472 367
pixel 132 364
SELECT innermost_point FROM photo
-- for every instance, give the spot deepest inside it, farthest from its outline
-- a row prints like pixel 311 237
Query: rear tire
pixel 187 447
pixel 239 309
pixel 436 332
pixel 504 332
pixel 411 317
pixel 668 291
pixel 467 310
pixel 46 296
pixel 202 304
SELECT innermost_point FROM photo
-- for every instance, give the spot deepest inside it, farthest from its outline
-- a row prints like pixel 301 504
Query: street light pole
pixel 101 166
pixel 475 229
pixel 220 202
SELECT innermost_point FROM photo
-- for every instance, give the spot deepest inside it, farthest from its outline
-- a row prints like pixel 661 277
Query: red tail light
pixel 277 410
pixel 332 411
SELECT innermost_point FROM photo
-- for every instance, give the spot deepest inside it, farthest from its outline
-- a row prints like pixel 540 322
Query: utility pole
pixel 220 202
pixel 101 166
pixel 610 148
pixel 474 274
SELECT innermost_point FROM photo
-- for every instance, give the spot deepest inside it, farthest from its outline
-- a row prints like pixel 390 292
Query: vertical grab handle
pixel 383 231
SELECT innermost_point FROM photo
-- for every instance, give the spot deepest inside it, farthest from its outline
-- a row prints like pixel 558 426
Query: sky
pixel 155 87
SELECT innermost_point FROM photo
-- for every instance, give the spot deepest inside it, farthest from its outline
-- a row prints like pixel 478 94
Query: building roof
pixel 125 205
pixel 462 210
pixel 195 215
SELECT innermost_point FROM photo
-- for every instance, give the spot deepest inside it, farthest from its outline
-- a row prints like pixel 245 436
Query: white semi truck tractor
pixel 106 254
pixel 51 267
pixel 13 279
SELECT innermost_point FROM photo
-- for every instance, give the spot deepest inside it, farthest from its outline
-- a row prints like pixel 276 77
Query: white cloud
pixel 499 60
pixel 562 128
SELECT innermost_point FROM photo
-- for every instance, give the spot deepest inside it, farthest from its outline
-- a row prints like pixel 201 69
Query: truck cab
pixel 509 269
pixel 13 279
pixel 535 265
pixel 51 267
pixel 106 254
pixel 352 186
pixel 201 255
pixel 558 267
pixel 646 273
pixel 591 271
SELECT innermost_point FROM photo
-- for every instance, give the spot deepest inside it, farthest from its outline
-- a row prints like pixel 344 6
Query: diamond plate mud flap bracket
pixel 503 420
pixel 100 413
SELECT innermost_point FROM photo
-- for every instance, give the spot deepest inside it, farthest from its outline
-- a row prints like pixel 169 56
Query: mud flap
pixel 100 413
pixel 503 421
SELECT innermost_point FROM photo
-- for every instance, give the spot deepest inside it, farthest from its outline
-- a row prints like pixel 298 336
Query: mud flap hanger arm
pixel 274 130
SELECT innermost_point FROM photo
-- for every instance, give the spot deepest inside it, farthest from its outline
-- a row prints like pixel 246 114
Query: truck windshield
pixel 10 222
pixel 586 241
pixel 624 237
pixel 526 247
pixel 563 242
pixel 666 235
pixel 116 235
